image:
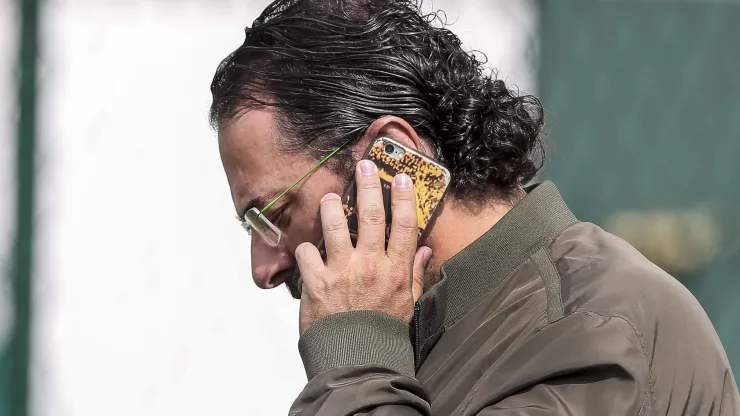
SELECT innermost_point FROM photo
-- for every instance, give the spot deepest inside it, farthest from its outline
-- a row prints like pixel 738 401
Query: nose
pixel 269 264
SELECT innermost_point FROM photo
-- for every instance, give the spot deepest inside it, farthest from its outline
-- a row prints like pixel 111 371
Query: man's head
pixel 314 74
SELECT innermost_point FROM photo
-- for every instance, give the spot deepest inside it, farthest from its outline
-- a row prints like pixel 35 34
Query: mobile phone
pixel 430 179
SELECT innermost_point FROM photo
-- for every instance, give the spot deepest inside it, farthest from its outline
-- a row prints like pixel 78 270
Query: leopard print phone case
pixel 430 179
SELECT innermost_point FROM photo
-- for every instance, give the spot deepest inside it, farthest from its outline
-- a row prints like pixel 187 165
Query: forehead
pixel 253 163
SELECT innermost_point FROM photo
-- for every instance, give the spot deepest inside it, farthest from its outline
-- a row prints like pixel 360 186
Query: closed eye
pixel 278 216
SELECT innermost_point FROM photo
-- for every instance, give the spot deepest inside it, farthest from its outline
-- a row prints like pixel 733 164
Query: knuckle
pixel 369 185
pixel 370 269
pixel 335 225
pixel 404 195
pixel 401 283
pixel 405 222
pixel 373 215
pixel 404 216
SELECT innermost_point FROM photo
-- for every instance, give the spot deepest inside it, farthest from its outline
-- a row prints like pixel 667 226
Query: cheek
pixel 305 227
pixel 308 218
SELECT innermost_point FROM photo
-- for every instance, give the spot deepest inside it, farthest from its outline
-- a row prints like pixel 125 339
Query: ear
pixel 399 130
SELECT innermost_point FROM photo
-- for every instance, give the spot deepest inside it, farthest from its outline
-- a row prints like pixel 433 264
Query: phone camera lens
pixel 389 149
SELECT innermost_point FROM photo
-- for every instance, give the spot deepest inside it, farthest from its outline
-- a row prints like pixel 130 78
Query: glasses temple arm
pixel 318 165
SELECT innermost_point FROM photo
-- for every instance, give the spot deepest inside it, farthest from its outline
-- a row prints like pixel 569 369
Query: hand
pixel 367 277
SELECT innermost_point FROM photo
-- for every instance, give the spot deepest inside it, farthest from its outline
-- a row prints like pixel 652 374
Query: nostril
pixel 263 280
pixel 278 279
pixel 268 280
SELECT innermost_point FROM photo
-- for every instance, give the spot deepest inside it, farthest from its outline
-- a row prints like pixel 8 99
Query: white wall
pixel 504 30
pixel 144 301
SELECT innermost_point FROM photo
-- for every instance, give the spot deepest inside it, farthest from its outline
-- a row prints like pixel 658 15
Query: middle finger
pixel 371 213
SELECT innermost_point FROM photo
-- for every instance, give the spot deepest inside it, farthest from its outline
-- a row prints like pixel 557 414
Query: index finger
pixel 310 264
pixel 334 225
pixel 404 224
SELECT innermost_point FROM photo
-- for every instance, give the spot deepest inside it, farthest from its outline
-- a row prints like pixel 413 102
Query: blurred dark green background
pixel 644 111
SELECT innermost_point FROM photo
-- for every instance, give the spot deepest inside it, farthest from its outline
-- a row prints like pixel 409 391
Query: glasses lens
pixel 261 226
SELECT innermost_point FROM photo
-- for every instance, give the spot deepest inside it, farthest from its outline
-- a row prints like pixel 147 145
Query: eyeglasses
pixel 255 221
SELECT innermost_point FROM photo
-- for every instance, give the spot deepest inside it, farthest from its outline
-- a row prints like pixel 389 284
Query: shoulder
pixel 603 277
pixel 601 273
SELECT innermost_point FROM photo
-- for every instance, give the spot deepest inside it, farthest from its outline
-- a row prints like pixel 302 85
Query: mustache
pixel 293 282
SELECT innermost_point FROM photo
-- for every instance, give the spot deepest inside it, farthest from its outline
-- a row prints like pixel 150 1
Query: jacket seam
pixel 640 338
pixel 550 278
pixel 362 379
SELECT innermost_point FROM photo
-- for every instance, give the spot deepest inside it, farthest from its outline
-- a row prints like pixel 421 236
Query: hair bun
pixel 490 137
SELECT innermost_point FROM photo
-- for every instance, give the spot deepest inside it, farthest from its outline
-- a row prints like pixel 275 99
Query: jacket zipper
pixel 417 341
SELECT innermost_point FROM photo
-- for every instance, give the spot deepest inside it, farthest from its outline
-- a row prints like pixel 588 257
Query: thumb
pixel 421 261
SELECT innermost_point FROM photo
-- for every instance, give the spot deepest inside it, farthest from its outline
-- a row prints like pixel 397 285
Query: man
pixel 511 306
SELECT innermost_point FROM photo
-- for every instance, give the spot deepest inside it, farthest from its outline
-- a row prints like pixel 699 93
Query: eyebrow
pixel 260 201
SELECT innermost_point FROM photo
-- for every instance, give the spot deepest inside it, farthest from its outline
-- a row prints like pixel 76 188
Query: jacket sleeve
pixel 359 363
pixel 604 372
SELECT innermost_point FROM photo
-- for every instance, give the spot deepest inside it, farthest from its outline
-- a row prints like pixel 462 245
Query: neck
pixel 456 227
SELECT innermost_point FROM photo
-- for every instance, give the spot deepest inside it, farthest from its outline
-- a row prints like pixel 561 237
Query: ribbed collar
pixel 480 268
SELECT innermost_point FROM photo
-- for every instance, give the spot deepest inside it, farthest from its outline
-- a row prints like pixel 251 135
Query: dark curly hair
pixel 332 67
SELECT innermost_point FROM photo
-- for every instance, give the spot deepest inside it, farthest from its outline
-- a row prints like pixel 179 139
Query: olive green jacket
pixel 543 315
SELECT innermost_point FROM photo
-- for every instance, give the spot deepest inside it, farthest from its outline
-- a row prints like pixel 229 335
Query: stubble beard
pixel 432 276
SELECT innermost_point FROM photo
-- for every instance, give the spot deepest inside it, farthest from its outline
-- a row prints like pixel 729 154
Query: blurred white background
pixel 144 301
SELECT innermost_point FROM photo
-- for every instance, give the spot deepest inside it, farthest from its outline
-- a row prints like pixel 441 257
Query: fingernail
pixel 402 180
pixel 329 197
pixel 367 167
pixel 427 256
